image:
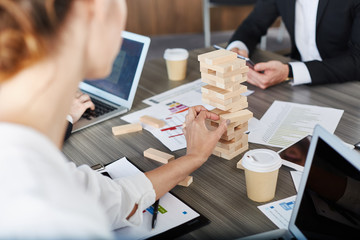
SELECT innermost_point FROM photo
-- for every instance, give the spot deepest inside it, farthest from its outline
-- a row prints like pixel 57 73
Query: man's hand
pixel 241 52
pixel 274 72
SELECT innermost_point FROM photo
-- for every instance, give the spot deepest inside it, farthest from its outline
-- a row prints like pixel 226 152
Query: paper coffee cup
pixel 176 62
pixel 261 173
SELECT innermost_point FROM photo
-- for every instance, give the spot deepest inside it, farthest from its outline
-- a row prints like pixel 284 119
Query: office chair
pixel 207 4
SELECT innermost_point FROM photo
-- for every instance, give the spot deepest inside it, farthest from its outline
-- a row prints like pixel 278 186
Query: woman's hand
pixel 80 103
pixel 201 141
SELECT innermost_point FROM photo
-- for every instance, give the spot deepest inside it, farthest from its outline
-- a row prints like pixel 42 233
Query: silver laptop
pixel 328 201
pixel 115 94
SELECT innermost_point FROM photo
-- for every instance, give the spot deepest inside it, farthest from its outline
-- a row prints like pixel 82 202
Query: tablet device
pixel 294 156
pixel 175 217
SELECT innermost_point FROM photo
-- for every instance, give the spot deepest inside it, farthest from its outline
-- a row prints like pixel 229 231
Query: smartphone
pixel 294 156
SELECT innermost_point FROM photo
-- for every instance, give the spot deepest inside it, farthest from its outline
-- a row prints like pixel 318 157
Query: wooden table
pixel 218 190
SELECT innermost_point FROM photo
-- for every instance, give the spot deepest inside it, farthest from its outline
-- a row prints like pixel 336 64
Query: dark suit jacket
pixel 337 36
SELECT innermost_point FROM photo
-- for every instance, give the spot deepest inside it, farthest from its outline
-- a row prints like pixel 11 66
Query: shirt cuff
pixel 70 119
pixel 237 44
pixel 301 73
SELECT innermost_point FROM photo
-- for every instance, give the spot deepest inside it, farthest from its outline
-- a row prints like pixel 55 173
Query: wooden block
pixel 224 83
pixel 236 133
pixel 234 154
pixel 223 80
pixel 157 155
pixel 233 73
pixel 217 57
pixel 223 93
pixel 186 182
pixel 239 165
pixel 232 144
pixel 127 128
pixel 238 107
pixel 240 104
pixel 240 116
pixel 212 98
pixel 224 67
pixel 154 122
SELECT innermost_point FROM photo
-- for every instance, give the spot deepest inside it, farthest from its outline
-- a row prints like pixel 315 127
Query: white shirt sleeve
pixel 238 44
pixel 44 196
pixel 301 73
pixel 70 119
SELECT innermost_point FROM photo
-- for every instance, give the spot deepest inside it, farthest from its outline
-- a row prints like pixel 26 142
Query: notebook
pixel 115 94
pixel 331 172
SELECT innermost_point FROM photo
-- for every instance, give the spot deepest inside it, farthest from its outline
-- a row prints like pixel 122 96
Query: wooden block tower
pixel 224 73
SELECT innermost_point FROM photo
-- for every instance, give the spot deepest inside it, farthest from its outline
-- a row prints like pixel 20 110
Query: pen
pixel 248 60
pixel 155 211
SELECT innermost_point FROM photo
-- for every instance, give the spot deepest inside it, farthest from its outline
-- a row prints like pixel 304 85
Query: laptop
pixel 115 94
pixel 331 172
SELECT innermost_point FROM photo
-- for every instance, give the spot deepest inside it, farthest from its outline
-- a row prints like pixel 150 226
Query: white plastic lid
pixel 176 54
pixel 261 160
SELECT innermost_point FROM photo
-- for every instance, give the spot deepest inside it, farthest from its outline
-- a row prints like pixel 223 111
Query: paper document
pixel 286 123
pixel 172 112
pixel 279 212
pixel 192 86
pixel 172 211
pixel 296 177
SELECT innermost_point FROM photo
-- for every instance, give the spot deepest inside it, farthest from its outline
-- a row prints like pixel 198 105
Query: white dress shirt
pixel 44 196
pixel 305 39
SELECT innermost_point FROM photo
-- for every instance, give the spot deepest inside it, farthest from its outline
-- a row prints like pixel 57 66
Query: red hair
pixel 26 30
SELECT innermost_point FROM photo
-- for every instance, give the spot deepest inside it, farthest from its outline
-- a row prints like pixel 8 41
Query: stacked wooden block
pixel 224 73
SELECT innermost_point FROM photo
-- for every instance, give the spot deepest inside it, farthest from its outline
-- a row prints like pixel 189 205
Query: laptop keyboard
pixel 101 108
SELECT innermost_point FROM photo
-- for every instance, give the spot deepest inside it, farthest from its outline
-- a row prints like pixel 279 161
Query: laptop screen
pixel 330 204
pixel 120 86
pixel 120 80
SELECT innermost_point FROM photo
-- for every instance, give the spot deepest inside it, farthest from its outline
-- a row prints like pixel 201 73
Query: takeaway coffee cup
pixel 261 172
pixel 176 62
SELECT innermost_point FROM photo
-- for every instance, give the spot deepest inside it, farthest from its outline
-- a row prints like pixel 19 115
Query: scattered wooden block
pixel 159 156
pixel 239 165
pixel 186 182
pixel 217 57
pixel 154 122
pixel 127 128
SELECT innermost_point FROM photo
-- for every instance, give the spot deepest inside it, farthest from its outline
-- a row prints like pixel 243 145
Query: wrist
pixel 290 75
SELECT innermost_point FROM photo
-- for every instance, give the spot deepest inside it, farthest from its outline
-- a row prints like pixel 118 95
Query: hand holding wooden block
pixel 127 128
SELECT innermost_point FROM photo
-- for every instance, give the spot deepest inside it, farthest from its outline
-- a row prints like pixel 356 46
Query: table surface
pixel 218 190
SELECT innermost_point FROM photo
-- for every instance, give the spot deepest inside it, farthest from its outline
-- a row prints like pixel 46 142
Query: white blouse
pixel 43 195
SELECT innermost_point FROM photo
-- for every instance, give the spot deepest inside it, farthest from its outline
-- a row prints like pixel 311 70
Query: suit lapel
pixel 321 9
pixel 290 16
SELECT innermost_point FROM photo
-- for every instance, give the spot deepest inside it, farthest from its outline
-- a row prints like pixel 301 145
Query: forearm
pixel 169 175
